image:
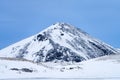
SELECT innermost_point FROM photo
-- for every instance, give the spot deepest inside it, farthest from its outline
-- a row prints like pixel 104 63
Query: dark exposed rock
pixel 15 69
pixel 71 68
pixel 58 53
pixel 104 50
pixel 26 70
pixel 23 69
pixel 23 51
pixel 40 37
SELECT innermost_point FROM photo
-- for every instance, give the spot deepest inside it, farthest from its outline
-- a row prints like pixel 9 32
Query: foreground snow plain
pixel 106 67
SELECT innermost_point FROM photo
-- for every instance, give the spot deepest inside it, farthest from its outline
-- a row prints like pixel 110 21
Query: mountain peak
pixel 60 25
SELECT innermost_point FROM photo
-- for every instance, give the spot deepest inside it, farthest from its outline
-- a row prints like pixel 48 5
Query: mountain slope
pixel 58 43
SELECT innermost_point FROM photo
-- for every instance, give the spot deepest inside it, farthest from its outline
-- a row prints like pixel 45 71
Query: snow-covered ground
pixel 104 67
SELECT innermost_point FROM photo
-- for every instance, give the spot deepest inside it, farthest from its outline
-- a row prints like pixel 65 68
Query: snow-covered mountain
pixel 60 42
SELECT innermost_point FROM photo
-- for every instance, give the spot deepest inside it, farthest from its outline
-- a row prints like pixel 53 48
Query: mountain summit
pixel 60 42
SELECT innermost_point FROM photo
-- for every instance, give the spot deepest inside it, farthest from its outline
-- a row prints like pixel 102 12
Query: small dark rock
pixel 40 37
pixel 16 69
pixel 26 70
pixel 62 34
pixel 71 68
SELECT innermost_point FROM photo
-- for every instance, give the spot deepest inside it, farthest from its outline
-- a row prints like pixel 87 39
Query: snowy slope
pixel 106 67
pixel 118 50
pixel 60 42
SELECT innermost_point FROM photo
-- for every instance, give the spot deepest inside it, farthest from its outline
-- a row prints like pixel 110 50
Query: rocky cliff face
pixel 60 42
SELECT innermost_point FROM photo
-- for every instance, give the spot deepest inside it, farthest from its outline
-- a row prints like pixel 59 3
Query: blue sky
pixel 20 19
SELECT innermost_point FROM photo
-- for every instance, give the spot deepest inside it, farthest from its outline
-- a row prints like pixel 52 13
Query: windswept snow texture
pixel 102 68
pixel 60 42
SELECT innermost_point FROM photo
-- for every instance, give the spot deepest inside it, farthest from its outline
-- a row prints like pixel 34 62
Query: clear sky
pixel 20 19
